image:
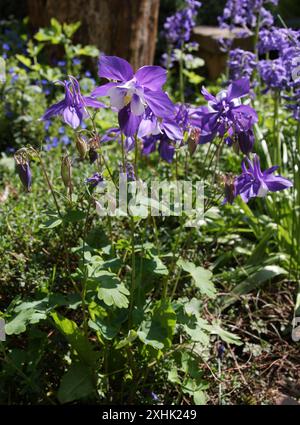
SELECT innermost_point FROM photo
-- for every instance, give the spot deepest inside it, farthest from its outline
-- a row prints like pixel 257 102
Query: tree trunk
pixel 125 28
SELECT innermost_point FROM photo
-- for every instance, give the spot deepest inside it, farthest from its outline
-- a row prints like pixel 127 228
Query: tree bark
pixel 126 28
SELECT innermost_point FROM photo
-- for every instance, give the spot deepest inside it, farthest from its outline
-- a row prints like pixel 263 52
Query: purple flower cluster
pixel 178 27
pixel 243 16
pixel 241 63
pixel 280 74
pixel 275 39
pixel 274 74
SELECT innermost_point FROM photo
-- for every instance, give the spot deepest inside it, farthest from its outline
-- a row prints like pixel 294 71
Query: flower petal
pixel 102 90
pixel 152 77
pixel 55 109
pixel 93 103
pixel 146 128
pixel 239 88
pixel 117 96
pixel 72 117
pixel 128 122
pixel 149 145
pixel 207 96
pixel 166 151
pixel 276 183
pixel 159 103
pixel 136 105
pixel 171 129
pixel 114 68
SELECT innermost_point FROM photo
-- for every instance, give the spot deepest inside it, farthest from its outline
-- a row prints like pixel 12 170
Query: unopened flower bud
pixel 94 144
pixel 93 155
pixel 82 147
pixel 66 171
pixel 193 140
pixel 229 183
pixel 24 172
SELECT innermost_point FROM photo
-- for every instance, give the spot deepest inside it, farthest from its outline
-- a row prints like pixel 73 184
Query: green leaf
pixel 132 335
pixel 108 323
pixel 202 277
pixel 70 29
pixel 76 384
pixel 199 397
pixel 72 216
pixel 80 344
pixel 24 60
pixel 88 51
pixel 18 324
pixel 226 336
pixel 188 317
pixel 97 238
pixel 110 289
pixel 159 330
pixel 54 221
pixel 192 77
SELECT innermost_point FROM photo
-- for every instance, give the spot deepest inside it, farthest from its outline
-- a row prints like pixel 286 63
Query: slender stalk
pixel 84 280
pixel 181 75
pixel 49 183
pixel 136 154
pixel 297 199
pixel 123 152
pixel 276 130
pixel 133 271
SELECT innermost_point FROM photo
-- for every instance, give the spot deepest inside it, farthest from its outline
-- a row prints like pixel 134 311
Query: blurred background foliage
pixel 210 10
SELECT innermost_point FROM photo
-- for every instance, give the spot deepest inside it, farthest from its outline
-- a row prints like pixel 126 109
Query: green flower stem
pixel 297 198
pixel 85 276
pixel 181 75
pixel 133 271
pixel 123 152
pixel 276 130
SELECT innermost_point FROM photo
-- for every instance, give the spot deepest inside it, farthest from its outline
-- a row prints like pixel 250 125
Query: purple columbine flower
pixel 95 180
pixel 225 112
pixel 130 94
pixel 256 183
pixel 73 107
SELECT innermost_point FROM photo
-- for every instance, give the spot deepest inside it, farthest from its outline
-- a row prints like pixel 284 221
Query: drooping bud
pixel 93 155
pixel 246 141
pixel 94 144
pixel 193 140
pixel 229 188
pixel 66 171
pixel 23 168
pixel 24 171
pixel 82 147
